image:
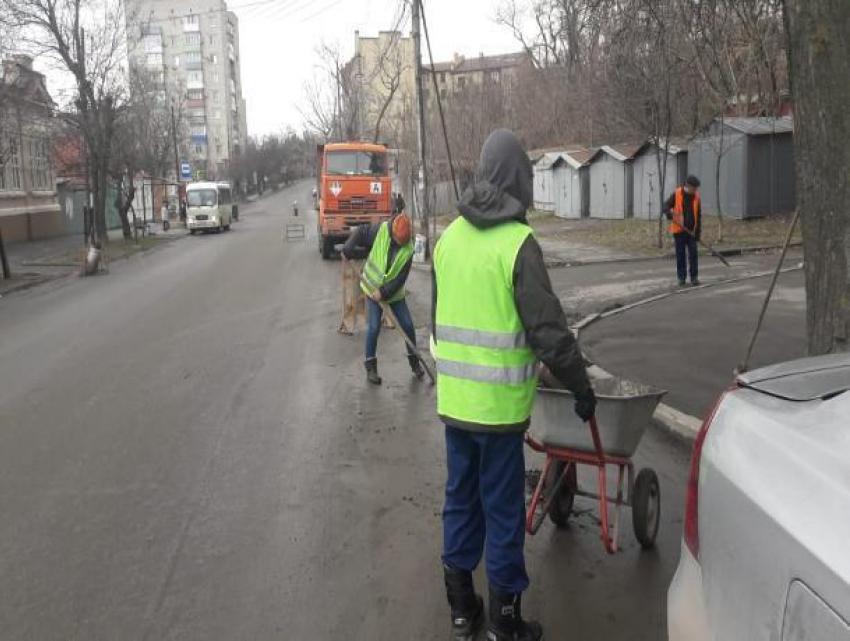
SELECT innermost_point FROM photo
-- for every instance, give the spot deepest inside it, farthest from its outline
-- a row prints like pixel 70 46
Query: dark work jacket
pixel 688 206
pixel 359 244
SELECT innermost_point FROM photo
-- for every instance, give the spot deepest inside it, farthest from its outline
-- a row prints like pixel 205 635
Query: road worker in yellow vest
pixel 390 253
pixel 495 317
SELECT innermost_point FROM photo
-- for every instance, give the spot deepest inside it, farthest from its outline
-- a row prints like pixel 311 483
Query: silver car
pixel 766 545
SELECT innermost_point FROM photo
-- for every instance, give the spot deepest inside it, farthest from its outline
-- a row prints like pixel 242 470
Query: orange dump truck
pixel 354 188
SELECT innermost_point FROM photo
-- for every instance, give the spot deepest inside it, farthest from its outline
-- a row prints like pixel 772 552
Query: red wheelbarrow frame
pixel 573 458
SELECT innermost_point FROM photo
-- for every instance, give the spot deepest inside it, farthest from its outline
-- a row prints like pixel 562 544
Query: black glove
pixel 586 404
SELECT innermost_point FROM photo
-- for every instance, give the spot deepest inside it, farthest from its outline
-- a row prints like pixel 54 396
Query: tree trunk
pixel 819 63
pixel 4 262
pixel 124 209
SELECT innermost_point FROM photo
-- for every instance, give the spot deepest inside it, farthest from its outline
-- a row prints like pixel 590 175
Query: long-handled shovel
pixel 388 310
pixel 710 249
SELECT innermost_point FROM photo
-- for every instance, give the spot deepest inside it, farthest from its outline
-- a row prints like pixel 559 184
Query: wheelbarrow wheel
pixel 646 507
pixel 562 503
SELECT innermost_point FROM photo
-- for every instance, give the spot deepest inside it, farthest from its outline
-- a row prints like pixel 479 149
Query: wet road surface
pixel 188 450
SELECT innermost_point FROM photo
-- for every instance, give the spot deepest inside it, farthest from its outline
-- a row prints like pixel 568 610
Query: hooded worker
pixel 390 253
pixel 495 316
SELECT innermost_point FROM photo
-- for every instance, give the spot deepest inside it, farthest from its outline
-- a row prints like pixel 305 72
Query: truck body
pixel 353 188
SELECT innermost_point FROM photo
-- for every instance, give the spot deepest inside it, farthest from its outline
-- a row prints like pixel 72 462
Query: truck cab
pixel 354 188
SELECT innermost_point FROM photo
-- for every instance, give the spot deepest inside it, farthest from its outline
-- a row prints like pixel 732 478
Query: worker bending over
pixel 495 315
pixel 390 252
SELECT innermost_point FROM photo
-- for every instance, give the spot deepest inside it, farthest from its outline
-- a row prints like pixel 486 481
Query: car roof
pixel 805 379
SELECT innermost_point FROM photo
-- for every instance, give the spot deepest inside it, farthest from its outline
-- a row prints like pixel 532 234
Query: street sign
pixel 185 171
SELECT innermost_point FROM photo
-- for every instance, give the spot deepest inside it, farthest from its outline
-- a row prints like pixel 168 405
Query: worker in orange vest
pixel 684 212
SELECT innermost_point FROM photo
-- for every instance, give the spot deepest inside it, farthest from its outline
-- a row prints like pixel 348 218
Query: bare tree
pixel 87 38
pixel 329 101
pixel 819 64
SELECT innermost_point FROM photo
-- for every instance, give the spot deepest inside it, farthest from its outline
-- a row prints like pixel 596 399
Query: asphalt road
pixel 189 450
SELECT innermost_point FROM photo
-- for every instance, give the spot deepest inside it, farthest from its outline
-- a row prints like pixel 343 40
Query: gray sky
pixel 278 37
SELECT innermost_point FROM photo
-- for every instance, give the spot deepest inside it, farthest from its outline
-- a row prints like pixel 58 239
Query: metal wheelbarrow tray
pixel 624 410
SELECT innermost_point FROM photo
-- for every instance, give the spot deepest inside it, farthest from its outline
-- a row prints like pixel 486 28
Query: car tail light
pixel 691 534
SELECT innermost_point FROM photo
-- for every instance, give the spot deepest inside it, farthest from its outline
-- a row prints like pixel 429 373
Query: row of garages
pixel 753 157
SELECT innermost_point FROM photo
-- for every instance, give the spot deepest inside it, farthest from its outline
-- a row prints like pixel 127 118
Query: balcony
pixel 193 65
pixel 198 139
pixel 195 83
pixel 195 103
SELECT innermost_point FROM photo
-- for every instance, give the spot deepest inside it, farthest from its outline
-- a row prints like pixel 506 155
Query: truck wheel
pixel 327 247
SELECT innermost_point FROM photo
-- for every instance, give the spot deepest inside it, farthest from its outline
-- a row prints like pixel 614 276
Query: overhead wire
pixel 439 99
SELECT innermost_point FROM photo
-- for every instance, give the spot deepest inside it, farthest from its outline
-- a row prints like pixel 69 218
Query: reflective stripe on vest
pixel 678 224
pixel 375 275
pixel 487 373
pixel 480 338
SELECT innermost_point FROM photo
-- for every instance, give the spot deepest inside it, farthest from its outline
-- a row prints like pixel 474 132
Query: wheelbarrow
pixel 624 409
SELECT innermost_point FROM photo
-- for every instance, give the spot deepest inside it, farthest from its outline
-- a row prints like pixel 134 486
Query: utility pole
pixel 420 116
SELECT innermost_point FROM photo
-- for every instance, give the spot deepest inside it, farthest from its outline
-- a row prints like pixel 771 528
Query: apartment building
pixel 191 49
pixel 463 74
pixel 382 81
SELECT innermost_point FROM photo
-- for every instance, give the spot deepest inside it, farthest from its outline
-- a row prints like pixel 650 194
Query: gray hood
pixel 504 183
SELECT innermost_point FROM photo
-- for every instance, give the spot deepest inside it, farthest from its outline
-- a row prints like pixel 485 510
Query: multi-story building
pixel 463 74
pixel 29 209
pixel 382 82
pixel 191 49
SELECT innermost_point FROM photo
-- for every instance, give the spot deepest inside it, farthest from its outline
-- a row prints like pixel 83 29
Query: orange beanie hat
pixel 401 229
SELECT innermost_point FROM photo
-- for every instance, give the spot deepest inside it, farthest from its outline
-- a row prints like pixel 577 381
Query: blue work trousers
pixel 402 313
pixel 485 506
pixel 686 252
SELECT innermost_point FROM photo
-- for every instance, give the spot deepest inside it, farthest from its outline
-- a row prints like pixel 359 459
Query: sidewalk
pixel 36 262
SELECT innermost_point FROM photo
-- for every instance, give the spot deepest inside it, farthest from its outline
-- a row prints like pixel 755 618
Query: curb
pixel 732 251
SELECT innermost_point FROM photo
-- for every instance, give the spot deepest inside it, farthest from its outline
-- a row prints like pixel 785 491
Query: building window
pixel 39 164
pixel 217 113
pixel 190 23
pixel 199 150
pixel 192 38
pixel 192 57
pixel 198 130
pixel 215 77
pixel 214 59
pixel 195 80
pixel 212 38
pixel 461 82
pixel 176 62
pixel 442 77
pixel 215 96
pixel 153 43
pixel 195 94
pixel 10 176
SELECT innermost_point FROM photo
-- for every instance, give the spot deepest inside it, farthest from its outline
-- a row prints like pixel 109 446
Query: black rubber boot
pixel 372 371
pixel 415 366
pixel 467 607
pixel 506 622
